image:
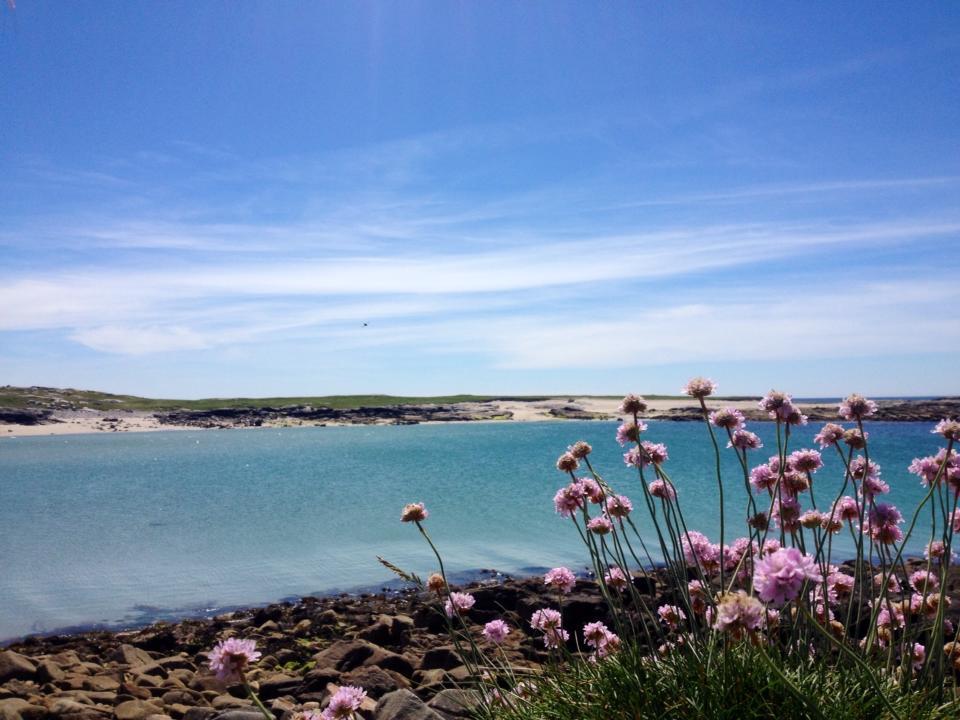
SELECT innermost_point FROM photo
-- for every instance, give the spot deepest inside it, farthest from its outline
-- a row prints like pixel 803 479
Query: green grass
pixel 631 686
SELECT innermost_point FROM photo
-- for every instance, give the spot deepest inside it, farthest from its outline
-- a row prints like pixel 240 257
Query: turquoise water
pixel 123 528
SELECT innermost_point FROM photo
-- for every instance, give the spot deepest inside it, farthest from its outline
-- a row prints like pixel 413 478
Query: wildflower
pixel 873 486
pixel 763 478
pixel 592 490
pixel 952 651
pixel 882 523
pixel 848 508
pixel 812 518
pixel 738 613
pixel 567 463
pixel 619 506
pixel 633 404
pixel 936 550
pixel 655 453
pixel 893 584
pixel 727 418
pixel 924 581
pixel 629 432
pixel 496 631
pixel 760 521
pixel 831 522
pixel 856 407
pixel 458 603
pixel 950 429
pixel 600 525
pixel 698 550
pixel 661 489
pixel 599 637
pixel 786 514
pixel 560 578
pixel 545 619
pixel 777 405
pixel 795 483
pixel 229 657
pixel 805 461
pixel 917 656
pixel 839 583
pixel 795 417
pixel 855 439
pixel 745 440
pixel 955 520
pixel 926 468
pixel 698 597
pixel 344 703
pixel 414 512
pixel 580 449
pixel 568 499
pixel 830 434
pixel 861 468
pixel 436 583
pixel 555 637
pixel 779 577
pixel 615 578
pixel 699 387
pixel 671 615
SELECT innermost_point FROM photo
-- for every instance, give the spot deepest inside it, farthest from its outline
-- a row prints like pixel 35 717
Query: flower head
pixel 855 439
pixel 496 631
pixel 560 578
pixel 629 431
pixel 615 578
pixel 414 512
pixel 779 577
pixel 619 506
pixel 727 418
pixel 830 434
pixel 661 489
pixel 545 619
pixel 882 524
pixel 738 613
pixel 950 429
pixel 744 440
pixel 580 449
pixel 633 404
pixel 229 657
pixel 436 583
pixel 671 615
pixel 699 387
pixel 600 525
pixel 458 603
pixel 567 462
pixel 857 407
pixel 777 405
pixel 568 499
pixel 344 703
pixel 807 461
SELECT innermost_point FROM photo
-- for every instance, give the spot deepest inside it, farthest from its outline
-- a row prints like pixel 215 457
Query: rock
pixel 403 705
pixel 454 703
pixel 158 717
pixel 344 654
pixel 68 708
pixel 129 655
pixel 14 665
pixel 48 671
pixel 302 628
pixel 11 708
pixel 278 685
pixel 444 657
pixel 244 714
pixel 389 630
pixel 224 702
pixel 181 697
pixel 136 710
pixel 375 681
pixel 133 691
pixel 100 683
pixel 176 662
pixel 199 713
pixel 317 680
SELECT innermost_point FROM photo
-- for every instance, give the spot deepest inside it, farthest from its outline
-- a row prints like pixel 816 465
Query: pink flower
pixel 496 631
pixel 567 463
pixel 924 581
pixel 786 514
pixel 592 490
pixel 861 468
pixel 857 407
pixel 855 439
pixel 848 509
pixel 555 637
pixel 727 418
pixel 458 603
pixel 882 523
pixel 545 619
pixel 917 656
pixel 830 434
pixel 580 449
pixel 812 518
pixel 763 478
pixel 937 550
pixel 738 613
pixel 779 577
pixel 698 550
pixel 568 499
pixel 633 404
pixel 619 506
pixel 344 703
pixel 655 453
pixel 661 489
pixel 744 440
pixel 615 578
pixel 806 461
pixel 777 405
pixel 629 432
pixel 600 525
pixel 560 578
pixel 950 429
pixel 599 637
pixel 698 597
pixel 927 468
pixel 873 486
pixel 414 512
pixel 699 387
pixel 229 657
pixel 671 615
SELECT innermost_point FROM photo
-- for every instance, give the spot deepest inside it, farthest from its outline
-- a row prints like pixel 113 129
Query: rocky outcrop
pixel 26 417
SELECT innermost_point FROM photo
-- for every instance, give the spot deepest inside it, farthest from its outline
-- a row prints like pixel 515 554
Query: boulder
pixel 136 710
pixel 129 655
pixel 240 714
pixel 454 703
pixel 375 681
pixel 14 665
pixel 199 713
pixel 444 657
pixel 403 705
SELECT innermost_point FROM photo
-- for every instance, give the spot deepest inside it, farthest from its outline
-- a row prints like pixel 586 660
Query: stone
pixel 278 685
pixel 100 683
pixel 403 705
pixel 48 671
pixel 302 628
pixel 244 714
pixel 317 680
pixel 14 665
pixel 454 703
pixel 199 713
pixel 182 697
pixel 11 708
pixel 444 657
pixel 374 680
pixel 136 710
pixel 224 702
pixel 344 654
pixel 129 655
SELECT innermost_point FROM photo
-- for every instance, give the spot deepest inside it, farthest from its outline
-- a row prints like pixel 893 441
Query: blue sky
pixel 213 198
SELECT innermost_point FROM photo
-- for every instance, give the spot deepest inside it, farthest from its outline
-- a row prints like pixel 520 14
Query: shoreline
pixel 89 421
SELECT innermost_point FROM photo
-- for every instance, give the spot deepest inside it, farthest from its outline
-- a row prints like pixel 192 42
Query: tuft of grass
pixel 737 685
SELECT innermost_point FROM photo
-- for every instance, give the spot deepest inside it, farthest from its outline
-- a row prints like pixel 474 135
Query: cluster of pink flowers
pixel 830 434
pixel 779 406
pixel 647 453
pixel 458 604
pixel 601 639
pixel 560 578
pixel 569 499
pixel 882 523
pixel 744 440
pixel 345 702
pixel 728 418
pixel 662 489
pixel 779 576
pixel 229 658
pixel 616 578
pixel 633 404
pixel 671 615
pixel 943 466
pixel 949 429
pixel 600 525
pixel 548 622
pixel 629 431
pixel 619 506
pixel 699 551
pixel 496 631
pixel 857 407
pixel 738 613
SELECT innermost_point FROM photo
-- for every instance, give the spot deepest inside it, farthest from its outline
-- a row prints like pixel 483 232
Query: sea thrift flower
pixel 760 521
pixel 917 656
pixel 698 550
pixel 663 490
pixel 580 449
pixel 698 597
pixel 555 637
pixel 633 404
pixel 568 499
pixel 777 405
pixel 882 522
pixel 567 463
pixel 745 440
pixel 436 583
pixel 699 387
pixel 727 418
pixel 671 615
pixel 619 506
pixel 545 619
pixel 496 631
pixel 848 509
pixel 229 657
pixel 950 429
pixel 924 581
pixel 560 578
pixel 873 486
pixel 458 603
pixel 857 407
pixel 830 434
pixel 840 583
pixel 599 637
pixel 763 478
pixel 600 525
pixel 893 584
pixel 629 432
pixel 654 453
pixel 795 483
pixel 936 550
pixel 738 613
pixel 812 518
pixel 414 512
pixel 831 523
pixel 344 703
pixel 592 490
pixel 615 578
pixel 779 577
pixel 786 514
pixel 855 439
pixel 927 468
pixel 861 468
pixel 806 461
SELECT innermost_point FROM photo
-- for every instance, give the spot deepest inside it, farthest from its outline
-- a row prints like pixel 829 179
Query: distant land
pixel 46 410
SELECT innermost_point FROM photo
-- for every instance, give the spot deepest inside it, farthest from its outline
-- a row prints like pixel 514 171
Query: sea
pixel 122 529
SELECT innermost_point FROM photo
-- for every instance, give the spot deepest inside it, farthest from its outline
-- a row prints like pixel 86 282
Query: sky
pixel 302 198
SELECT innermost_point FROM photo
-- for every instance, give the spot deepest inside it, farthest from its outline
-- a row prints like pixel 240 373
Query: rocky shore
pixel 394 645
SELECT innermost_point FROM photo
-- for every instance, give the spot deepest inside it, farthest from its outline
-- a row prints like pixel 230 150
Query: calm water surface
pixel 123 528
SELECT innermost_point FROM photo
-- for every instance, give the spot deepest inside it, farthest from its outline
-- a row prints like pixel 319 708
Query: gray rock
pixel 14 665
pixel 444 657
pixel 244 714
pixel 199 713
pixel 130 655
pixel 403 705
pixel 11 708
pixel 454 703
pixel 136 710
